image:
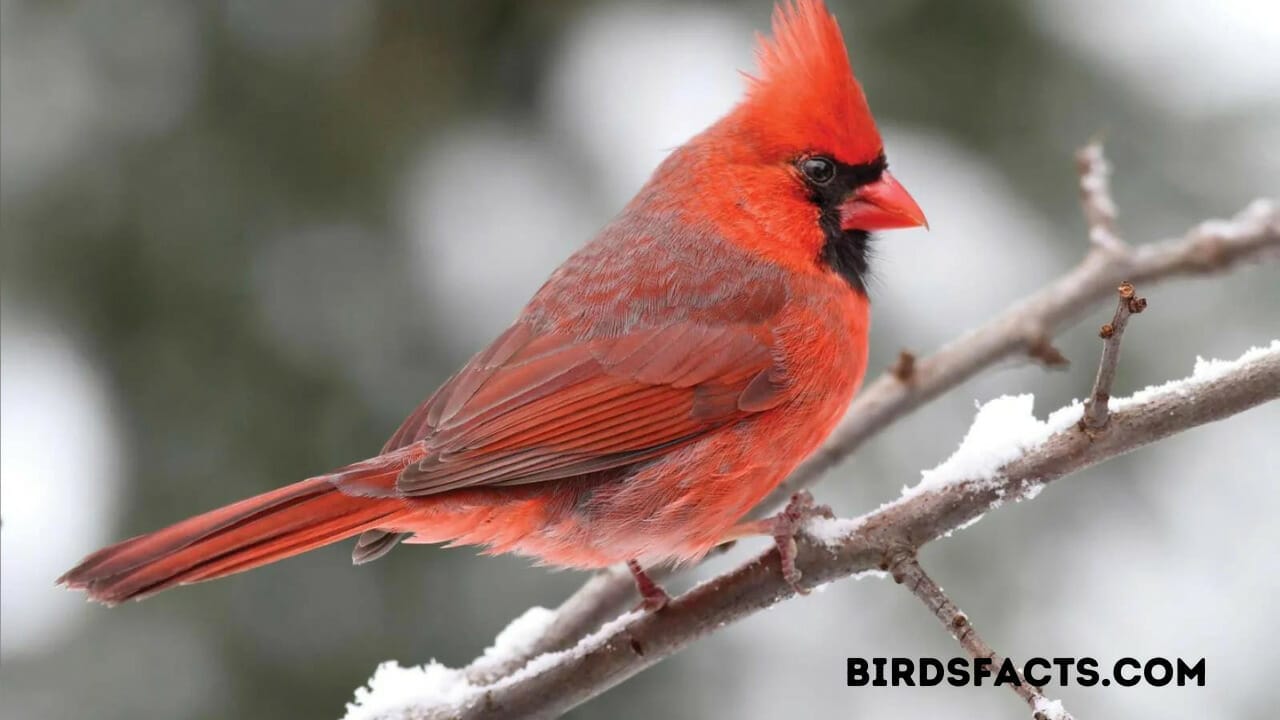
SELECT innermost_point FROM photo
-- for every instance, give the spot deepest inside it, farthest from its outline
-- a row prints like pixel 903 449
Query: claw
pixel 653 597
pixel 786 524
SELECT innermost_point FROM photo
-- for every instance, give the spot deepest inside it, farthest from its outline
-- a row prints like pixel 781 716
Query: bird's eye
pixel 818 169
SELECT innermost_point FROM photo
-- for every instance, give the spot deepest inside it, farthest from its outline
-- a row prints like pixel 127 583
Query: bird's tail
pixel 241 536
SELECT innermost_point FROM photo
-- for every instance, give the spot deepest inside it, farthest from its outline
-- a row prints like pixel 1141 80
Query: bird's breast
pixel 823 335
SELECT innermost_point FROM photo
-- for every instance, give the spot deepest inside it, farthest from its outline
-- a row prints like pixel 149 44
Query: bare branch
pixel 907 572
pixel 1095 198
pixel 1253 235
pixel 866 543
pixel 1095 409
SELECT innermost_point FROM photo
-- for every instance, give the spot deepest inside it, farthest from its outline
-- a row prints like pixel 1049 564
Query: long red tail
pixel 244 535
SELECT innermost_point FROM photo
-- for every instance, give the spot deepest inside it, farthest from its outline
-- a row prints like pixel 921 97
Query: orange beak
pixel 881 205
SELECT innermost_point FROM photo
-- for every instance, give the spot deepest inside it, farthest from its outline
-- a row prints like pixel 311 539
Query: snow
pixel 1051 709
pixel 517 639
pixel 1205 371
pixel 1032 491
pixel 832 532
pixel 587 644
pixel 1006 428
pixel 873 574
pixel 396 692
pixel 1003 430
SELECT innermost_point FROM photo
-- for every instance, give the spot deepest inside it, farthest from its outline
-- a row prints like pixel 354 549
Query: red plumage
pixel 666 377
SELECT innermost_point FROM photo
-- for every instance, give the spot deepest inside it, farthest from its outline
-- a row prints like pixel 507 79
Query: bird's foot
pixel 785 525
pixel 652 597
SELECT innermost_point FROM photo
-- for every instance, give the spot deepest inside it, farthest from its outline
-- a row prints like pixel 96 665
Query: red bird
pixel 664 380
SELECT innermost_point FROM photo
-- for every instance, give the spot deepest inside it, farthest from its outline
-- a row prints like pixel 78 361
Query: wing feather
pixel 546 407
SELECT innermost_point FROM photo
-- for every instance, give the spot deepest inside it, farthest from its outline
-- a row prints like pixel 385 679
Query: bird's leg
pixel 654 598
pixel 783 528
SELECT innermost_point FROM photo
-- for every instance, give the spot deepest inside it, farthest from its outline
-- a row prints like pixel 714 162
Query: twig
pixel 1095 198
pixel 907 571
pixel 905 367
pixel 1043 351
pixel 1095 408
pixel 1253 235
pixel 864 544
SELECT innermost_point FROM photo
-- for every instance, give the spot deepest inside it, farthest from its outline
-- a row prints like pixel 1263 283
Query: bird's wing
pixel 533 408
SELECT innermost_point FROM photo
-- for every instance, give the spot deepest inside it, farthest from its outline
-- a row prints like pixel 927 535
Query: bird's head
pixel 806 116
pixel 802 146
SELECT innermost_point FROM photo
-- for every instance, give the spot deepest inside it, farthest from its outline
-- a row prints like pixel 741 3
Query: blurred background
pixel 242 239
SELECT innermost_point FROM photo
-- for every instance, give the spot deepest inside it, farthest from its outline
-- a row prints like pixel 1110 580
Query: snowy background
pixel 242 240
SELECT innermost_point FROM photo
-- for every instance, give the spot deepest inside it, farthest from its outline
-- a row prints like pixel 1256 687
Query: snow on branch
pixel 950 497
pixel 549 661
pixel 436 691
pixel 1026 328
pixel 1253 235
pixel 992 443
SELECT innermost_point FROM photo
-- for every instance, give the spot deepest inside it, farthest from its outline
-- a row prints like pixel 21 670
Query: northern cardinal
pixel 665 378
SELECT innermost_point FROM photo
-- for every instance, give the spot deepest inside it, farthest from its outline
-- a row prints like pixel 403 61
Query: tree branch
pixel 906 568
pixel 846 547
pixel 1253 235
pixel 907 572
pixel 1213 246
pixel 1027 327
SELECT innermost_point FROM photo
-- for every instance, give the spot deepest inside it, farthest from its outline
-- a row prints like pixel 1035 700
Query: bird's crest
pixel 806 95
